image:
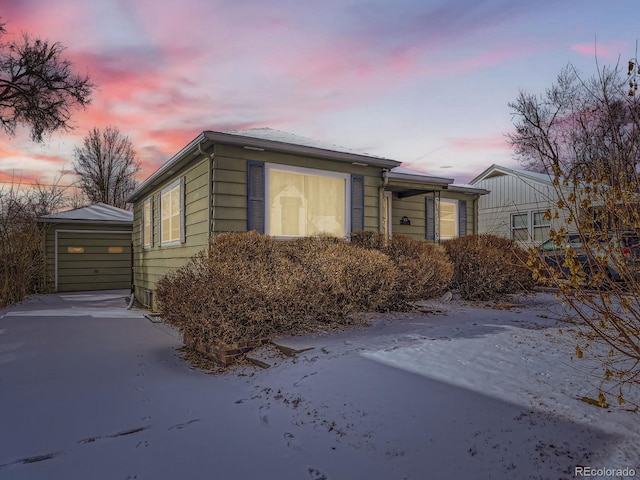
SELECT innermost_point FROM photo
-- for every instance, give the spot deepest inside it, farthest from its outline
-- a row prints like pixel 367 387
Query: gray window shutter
pixel 462 218
pixel 153 221
pixel 255 196
pixel 183 229
pixel 430 220
pixel 158 218
pixel 150 220
pixel 357 203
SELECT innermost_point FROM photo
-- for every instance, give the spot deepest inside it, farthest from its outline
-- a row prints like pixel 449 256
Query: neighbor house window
pixel 303 202
pixel 147 222
pixel 541 226
pixel 520 227
pixel 171 214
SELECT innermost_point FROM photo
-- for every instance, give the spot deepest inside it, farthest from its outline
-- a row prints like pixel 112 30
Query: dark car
pixel 617 254
pixel 554 252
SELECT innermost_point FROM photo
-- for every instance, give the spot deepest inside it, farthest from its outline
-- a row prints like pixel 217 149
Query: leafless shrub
pixel 487 267
pixel 424 270
pixel 22 261
pixel 247 287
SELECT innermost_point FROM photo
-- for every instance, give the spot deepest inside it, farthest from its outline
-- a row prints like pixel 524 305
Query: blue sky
pixel 423 82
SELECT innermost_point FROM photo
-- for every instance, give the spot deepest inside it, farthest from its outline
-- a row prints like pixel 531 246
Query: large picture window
pixel 303 202
pixel 147 223
pixel 171 214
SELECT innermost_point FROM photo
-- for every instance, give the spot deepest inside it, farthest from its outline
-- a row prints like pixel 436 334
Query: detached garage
pixel 88 248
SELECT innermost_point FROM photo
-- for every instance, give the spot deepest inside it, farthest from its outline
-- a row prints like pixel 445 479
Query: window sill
pixel 171 244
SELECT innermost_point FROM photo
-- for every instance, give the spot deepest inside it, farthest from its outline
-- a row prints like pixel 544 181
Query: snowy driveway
pixel 89 390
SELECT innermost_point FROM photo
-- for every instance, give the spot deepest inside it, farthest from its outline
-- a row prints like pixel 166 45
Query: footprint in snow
pixel 180 426
pixel 297 384
pixel 316 474
pixel 291 440
pixel 262 413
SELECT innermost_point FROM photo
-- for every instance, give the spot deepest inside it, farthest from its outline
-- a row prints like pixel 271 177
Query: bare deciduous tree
pixel 585 132
pixel 38 88
pixel 22 260
pixel 106 164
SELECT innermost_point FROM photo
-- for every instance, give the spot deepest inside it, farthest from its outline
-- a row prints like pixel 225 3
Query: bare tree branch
pixel 38 88
pixel 107 165
pixel 585 133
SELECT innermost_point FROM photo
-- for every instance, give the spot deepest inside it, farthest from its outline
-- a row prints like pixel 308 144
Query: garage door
pixel 93 260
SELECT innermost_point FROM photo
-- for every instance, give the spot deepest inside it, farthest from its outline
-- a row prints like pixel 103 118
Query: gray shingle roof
pixel 275 135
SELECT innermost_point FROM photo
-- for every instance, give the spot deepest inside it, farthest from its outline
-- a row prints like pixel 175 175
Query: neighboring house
pixel 285 186
pixel 88 248
pixel 516 205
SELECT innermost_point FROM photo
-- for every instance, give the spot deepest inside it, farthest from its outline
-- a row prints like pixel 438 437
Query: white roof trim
pixel 270 140
pixel 533 176
pixel 96 213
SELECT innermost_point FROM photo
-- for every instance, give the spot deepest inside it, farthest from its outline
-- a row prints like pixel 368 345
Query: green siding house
pixel 285 186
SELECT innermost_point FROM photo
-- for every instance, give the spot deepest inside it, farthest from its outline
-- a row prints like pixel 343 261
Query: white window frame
pixel 171 186
pixel 268 167
pixel 147 243
pixel 526 227
pixel 546 225
pixel 456 216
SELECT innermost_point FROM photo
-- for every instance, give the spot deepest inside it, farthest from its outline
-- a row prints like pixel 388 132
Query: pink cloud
pixel 483 59
pixel 609 50
pixel 479 143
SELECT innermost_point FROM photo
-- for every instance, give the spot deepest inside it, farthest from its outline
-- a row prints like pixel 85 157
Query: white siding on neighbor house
pixel 513 194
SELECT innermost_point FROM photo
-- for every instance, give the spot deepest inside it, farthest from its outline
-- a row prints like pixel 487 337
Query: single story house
pixel 516 205
pixel 88 248
pixel 285 186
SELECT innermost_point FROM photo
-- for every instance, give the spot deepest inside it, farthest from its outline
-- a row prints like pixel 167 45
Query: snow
pixel 462 392
pixel 275 135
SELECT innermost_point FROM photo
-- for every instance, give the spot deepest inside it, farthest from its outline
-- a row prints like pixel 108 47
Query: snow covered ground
pixel 91 390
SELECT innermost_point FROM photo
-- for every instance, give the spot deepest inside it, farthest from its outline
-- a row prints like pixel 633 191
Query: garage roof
pixel 96 213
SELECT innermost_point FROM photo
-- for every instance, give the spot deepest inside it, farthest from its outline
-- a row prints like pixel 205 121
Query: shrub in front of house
pixel 424 269
pixel 249 287
pixel 487 267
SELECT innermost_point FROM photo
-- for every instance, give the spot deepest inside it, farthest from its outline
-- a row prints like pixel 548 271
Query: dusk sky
pixel 423 82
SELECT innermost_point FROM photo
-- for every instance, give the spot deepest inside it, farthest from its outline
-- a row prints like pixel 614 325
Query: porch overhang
pixel 406 185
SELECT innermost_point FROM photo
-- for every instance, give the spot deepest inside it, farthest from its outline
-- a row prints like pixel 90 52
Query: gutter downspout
pixel 475 214
pixel 209 187
pixel 385 181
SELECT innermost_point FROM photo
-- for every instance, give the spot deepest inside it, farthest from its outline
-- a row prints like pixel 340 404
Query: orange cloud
pixel 8 179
